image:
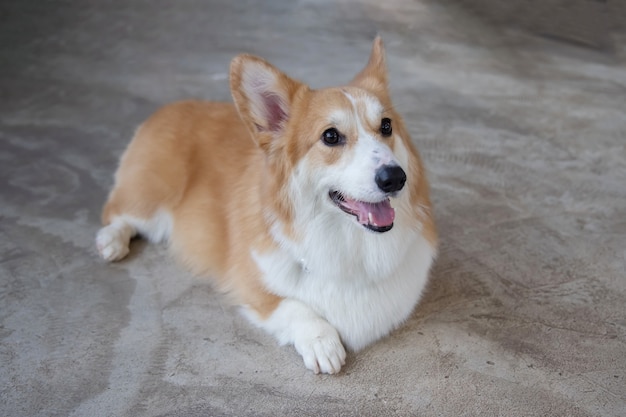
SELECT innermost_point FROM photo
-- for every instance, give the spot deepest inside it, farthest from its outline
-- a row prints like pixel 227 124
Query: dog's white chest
pixel 361 299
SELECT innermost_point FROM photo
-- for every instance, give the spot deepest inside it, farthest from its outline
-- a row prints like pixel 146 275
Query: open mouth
pixel 374 216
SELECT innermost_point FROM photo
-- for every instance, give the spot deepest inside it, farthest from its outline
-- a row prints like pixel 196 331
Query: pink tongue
pixel 376 214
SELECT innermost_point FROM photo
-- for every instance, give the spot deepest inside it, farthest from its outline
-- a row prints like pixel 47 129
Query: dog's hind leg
pixel 133 208
pixel 137 205
pixel 113 239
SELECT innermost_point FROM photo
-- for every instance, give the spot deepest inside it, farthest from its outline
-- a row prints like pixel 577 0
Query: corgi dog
pixel 309 207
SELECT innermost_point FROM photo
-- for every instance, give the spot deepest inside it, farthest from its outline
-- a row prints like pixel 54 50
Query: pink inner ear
pixel 274 111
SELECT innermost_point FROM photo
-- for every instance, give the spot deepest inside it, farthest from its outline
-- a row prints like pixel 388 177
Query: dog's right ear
pixel 263 96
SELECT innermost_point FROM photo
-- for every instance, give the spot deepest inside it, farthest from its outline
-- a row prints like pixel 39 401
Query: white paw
pixel 112 243
pixel 294 322
pixel 323 353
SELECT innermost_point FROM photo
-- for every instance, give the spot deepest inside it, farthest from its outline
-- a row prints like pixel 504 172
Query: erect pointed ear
pixel 374 75
pixel 263 96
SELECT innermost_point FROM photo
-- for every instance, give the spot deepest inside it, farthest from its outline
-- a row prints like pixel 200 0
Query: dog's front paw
pixel 294 322
pixel 322 353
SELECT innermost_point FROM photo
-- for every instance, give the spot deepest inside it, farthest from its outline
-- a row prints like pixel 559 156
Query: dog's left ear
pixel 263 96
pixel 374 76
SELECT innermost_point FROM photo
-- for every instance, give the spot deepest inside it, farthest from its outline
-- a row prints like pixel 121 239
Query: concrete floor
pixel 518 109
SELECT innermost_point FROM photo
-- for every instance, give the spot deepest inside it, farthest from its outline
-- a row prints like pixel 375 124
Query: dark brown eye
pixel 332 137
pixel 385 127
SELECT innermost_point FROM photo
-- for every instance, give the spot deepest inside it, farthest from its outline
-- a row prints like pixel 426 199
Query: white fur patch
pixel 113 239
pixel 293 322
pixel 341 117
pixel 364 284
pixel 373 107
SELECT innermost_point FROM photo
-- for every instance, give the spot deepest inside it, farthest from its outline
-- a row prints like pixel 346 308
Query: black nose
pixel 390 178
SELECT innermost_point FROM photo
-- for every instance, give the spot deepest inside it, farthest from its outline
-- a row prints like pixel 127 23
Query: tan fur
pixel 176 163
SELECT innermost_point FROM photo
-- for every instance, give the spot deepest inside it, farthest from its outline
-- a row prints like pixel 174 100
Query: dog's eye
pixel 385 127
pixel 332 137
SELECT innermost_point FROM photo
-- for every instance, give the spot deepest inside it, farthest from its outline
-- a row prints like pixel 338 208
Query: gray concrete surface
pixel 518 109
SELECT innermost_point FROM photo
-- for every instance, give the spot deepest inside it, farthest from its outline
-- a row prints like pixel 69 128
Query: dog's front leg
pixel 293 322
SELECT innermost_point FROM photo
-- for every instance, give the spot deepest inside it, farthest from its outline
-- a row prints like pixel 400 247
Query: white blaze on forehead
pixel 341 117
pixel 373 109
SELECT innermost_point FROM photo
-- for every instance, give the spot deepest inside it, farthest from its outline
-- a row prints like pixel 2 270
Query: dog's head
pixel 343 149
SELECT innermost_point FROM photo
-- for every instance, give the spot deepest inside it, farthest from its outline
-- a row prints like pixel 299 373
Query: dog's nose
pixel 390 178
